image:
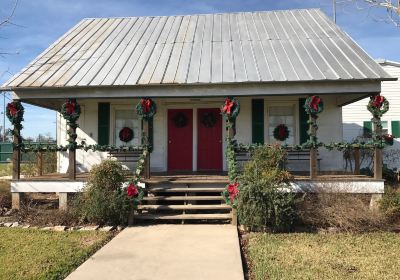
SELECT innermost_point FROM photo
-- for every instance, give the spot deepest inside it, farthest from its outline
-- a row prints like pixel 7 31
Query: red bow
pixel 146 104
pixel 228 106
pixel 378 100
pixel 132 190
pixel 12 108
pixel 70 107
pixel 233 191
pixel 282 132
pixel 315 100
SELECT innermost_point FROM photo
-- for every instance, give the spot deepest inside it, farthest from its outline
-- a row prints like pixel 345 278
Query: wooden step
pixel 183 217
pixel 183 189
pixel 185 207
pixel 183 198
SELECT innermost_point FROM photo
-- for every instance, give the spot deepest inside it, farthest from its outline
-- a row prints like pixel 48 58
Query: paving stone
pixel 59 228
pixel 15 224
pixel 46 228
pixel 8 224
pixel 26 226
pixel 107 228
pixel 89 228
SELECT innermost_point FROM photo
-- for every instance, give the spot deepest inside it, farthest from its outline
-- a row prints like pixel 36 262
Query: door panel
pixel 180 139
pixel 209 155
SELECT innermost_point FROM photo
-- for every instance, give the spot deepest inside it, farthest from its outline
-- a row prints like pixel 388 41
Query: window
pixel 385 129
pixel 281 115
pixel 127 118
pixel 368 128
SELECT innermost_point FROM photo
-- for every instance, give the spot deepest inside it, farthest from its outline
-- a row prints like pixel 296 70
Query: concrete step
pixel 183 217
pixel 183 198
pixel 185 207
pixel 185 189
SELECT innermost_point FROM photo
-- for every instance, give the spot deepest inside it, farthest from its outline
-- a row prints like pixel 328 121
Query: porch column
pixel 313 151
pixel 377 152
pixel 146 141
pixel 72 154
pixel 357 161
pixel 16 173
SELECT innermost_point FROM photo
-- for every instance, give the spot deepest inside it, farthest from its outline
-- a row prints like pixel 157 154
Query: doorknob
pixel 169 141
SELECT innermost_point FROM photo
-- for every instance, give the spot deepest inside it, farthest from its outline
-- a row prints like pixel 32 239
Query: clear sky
pixel 38 23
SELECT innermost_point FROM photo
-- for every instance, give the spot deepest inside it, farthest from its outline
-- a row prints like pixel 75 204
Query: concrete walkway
pixel 167 252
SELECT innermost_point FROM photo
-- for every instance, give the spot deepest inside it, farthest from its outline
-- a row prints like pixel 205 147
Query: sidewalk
pixel 167 252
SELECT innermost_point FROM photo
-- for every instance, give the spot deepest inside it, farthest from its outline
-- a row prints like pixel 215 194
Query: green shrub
pixel 104 200
pixel 390 204
pixel 265 198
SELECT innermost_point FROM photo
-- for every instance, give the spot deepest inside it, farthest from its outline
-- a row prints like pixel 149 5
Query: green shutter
pixel 103 123
pixel 257 121
pixel 396 129
pixel 367 129
pixel 303 119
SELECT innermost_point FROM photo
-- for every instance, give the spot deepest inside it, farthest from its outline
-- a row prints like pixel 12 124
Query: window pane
pixel 281 115
pixel 127 118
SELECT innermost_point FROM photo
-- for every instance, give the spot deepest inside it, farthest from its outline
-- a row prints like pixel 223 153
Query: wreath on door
pixel 126 134
pixel 180 120
pixel 208 119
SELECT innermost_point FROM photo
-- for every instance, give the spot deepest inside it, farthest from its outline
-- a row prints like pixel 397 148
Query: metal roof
pixel 271 46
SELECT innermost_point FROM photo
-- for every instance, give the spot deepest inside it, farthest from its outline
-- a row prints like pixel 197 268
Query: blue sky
pixel 39 23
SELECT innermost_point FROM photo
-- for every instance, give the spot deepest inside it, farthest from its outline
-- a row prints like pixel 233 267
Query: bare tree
pixel 7 21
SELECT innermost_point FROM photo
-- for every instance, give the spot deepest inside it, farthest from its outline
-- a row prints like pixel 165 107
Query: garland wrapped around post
pixel 71 111
pixel 378 105
pixel 15 114
pixel 313 106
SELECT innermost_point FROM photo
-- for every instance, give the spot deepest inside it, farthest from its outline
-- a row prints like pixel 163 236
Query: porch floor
pixel 203 177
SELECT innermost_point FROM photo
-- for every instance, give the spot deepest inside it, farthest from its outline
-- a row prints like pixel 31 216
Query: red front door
pixel 209 155
pixel 180 139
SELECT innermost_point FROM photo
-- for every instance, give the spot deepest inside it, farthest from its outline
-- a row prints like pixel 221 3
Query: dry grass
pixel 5 195
pixel 323 256
pixel 346 212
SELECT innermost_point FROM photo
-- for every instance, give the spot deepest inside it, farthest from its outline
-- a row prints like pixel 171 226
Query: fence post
pixel 377 152
pixel 313 151
pixel 146 141
pixel 40 163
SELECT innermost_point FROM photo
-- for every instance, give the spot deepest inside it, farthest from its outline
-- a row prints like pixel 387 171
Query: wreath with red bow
pixel 15 112
pixel 126 134
pixel 281 132
pixel 231 108
pixel 388 138
pixel 378 105
pixel 146 108
pixel 231 193
pixel 71 110
pixel 314 105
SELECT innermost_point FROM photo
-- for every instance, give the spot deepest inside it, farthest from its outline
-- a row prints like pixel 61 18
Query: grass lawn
pixel 324 256
pixel 39 254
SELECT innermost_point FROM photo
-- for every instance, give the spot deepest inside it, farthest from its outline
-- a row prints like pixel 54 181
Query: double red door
pixel 180 139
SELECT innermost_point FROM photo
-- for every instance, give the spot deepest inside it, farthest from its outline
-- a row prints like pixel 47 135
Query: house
pixel 357 121
pixel 269 61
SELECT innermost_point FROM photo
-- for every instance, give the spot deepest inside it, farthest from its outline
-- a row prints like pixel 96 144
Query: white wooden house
pixel 271 61
pixel 357 120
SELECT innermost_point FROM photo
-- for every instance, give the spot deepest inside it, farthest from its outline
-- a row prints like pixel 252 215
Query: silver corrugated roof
pixel 272 46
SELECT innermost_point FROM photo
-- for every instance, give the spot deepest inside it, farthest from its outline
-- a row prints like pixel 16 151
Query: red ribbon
pixel 282 132
pixel 315 100
pixel 12 108
pixel 378 101
pixel 132 190
pixel 228 106
pixel 233 191
pixel 146 105
pixel 70 107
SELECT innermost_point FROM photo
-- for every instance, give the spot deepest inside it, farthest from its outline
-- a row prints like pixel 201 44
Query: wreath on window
pixel 281 132
pixel 209 119
pixel 378 105
pixel 126 134
pixel 314 105
pixel 180 120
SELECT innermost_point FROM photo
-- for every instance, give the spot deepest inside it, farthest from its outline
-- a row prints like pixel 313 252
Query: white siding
pixel 330 128
pixel 356 113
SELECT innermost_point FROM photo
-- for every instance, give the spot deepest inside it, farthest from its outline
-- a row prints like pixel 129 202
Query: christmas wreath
pixel 231 108
pixel 281 132
pixel 15 112
pixel 388 139
pixel 71 110
pixel 146 108
pixel 208 119
pixel 378 105
pixel 313 105
pixel 230 194
pixel 126 134
pixel 134 193
pixel 180 120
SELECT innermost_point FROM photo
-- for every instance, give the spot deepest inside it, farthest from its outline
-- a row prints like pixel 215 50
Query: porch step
pixel 183 217
pixel 185 189
pixel 185 207
pixel 183 198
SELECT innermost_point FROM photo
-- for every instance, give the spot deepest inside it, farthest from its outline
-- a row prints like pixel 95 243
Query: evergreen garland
pixel 378 105
pixel 314 105
pixel 71 111
pixel 231 108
